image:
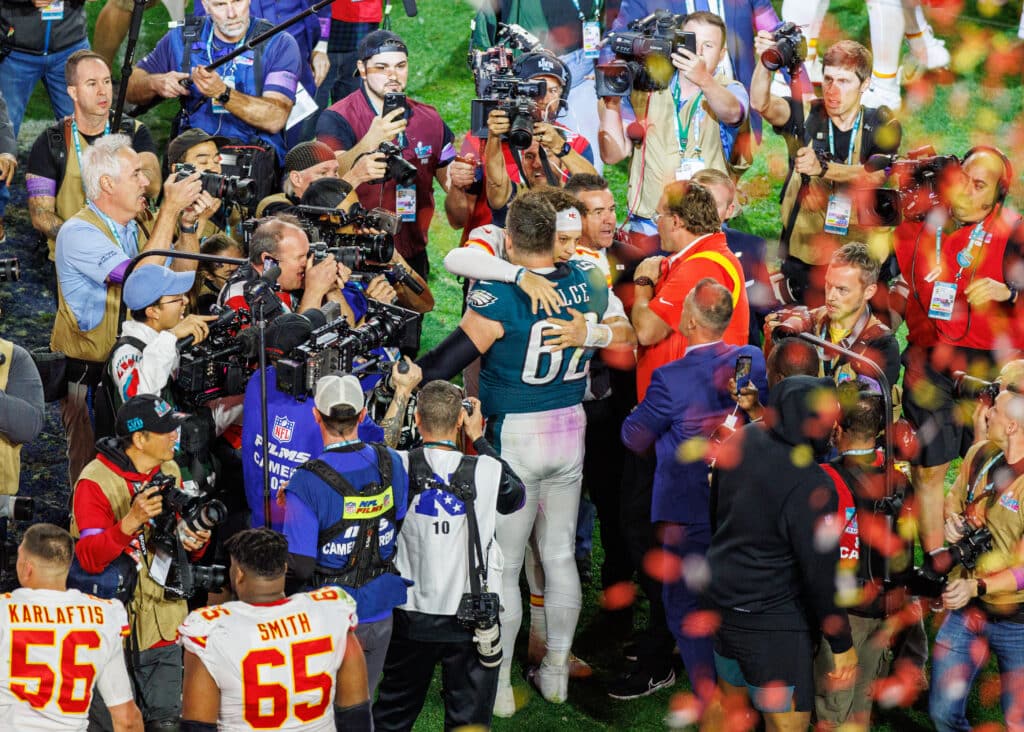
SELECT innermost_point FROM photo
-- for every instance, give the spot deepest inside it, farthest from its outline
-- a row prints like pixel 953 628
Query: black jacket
pixel 30 31
pixel 767 571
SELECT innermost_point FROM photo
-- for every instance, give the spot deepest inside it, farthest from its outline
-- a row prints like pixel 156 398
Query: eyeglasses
pixel 181 299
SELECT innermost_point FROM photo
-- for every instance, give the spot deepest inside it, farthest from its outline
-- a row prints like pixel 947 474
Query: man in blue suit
pixel 687 401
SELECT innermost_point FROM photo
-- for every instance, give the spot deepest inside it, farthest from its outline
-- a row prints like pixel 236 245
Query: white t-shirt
pixel 57 649
pixel 274 664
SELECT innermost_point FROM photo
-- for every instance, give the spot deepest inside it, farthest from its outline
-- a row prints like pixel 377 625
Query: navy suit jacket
pixel 688 398
pixel 742 20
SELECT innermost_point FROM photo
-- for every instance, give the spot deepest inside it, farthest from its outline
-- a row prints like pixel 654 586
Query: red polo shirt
pixel 707 256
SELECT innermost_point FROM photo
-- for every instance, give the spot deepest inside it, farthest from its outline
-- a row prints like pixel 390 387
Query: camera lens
pixel 773 59
pixel 520 135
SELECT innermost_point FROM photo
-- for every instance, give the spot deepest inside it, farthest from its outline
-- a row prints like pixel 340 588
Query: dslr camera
pixel 930 579
pixel 396 167
pixel 479 615
pixel 789 51
pixel 791 321
pixel 230 188
pixel 196 512
pixel 643 55
pixel 970 387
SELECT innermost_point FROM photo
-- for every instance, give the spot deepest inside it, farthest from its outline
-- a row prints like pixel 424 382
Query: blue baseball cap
pixel 147 284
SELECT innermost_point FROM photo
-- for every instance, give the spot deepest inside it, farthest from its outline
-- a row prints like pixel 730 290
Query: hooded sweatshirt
pixel 774 553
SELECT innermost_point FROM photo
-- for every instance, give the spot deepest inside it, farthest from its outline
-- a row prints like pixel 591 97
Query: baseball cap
pixel 147 412
pixel 148 283
pixel 187 140
pixel 381 41
pixel 336 391
pixel 306 155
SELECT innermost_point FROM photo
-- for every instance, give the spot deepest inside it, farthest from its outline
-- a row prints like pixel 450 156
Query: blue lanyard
pixel 853 138
pixel 342 443
pixel 965 258
pixel 441 443
pixel 78 148
pixel 579 11
pixel 112 226
pixel 984 471
pixel 230 69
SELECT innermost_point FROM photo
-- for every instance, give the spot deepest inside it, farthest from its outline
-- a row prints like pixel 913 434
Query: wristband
pixel 356 718
pixel 320 47
pixel 185 229
pixel 519 276
pixel 643 281
pixel 598 335
pixel 982 587
pixel 1018 575
pixel 1012 300
pixel 566 149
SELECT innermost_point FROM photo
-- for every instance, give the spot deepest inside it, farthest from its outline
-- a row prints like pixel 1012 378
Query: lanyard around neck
pixel 965 257
pixel 112 226
pixel 983 472
pixel 229 70
pixel 683 133
pixel 579 10
pixel 853 138
pixel 78 147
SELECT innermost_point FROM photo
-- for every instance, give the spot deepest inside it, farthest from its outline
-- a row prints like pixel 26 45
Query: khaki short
pixel 833 708
pixel 127 5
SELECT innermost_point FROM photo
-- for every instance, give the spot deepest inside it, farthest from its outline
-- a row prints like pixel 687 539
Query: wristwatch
pixel 643 281
pixel 566 149
pixel 186 229
pixel 224 96
pixel 982 587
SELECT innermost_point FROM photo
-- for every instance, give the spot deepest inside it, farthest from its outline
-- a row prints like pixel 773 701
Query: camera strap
pixel 983 472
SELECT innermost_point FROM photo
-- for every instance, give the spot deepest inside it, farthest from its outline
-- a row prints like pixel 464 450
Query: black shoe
pixel 638 683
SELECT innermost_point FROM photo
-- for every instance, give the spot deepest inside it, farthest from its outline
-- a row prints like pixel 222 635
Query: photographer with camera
pixel 305 163
pixel 962 265
pixel 845 319
pixel 342 513
pixel 406 143
pixel 201 151
pixel 447 548
pixel 220 680
pixel 231 100
pixel 829 142
pixel 94 249
pixel 676 123
pixel 986 600
pixel 116 501
pixel 90 651
pixel 53 175
pixel 22 410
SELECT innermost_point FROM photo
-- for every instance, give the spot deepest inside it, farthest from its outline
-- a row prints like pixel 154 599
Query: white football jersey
pixel 56 649
pixel 274 664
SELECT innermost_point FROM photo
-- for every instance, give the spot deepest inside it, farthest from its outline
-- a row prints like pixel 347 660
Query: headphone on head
pixel 1006 179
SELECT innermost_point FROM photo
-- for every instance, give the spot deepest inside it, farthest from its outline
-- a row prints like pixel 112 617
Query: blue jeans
pixel 954 669
pixel 19 74
pixel 581 116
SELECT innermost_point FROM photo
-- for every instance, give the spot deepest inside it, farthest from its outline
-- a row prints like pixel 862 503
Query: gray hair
pixel 100 159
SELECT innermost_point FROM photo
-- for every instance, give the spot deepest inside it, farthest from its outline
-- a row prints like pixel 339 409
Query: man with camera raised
pixel 962 265
pixel 675 123
pixel 409 141
pixel 447 547
pixel 201 151
pixel 230 100
pixel 94 249
pixel 829 141
pixel 986 602
pixel 116 500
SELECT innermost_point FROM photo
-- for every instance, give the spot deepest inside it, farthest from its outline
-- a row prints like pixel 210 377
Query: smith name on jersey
pixel 519 373
pixel 275 664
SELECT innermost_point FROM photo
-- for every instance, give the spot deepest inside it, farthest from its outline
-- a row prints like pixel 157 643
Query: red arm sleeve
pixel 93 512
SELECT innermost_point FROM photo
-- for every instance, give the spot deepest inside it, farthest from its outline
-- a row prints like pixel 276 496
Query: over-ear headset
pixel 1006 179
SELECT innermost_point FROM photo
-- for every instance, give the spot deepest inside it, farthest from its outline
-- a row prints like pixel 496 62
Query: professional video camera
pixel 930 579
pixel 789 51
pixel 12 508
pixel 196 512
pixel 227 187
pixel 516 98
pixel 219 365
pixel 966 386
pixel 323 224
pixel 336 345
pixel 920 178
pixel 643 55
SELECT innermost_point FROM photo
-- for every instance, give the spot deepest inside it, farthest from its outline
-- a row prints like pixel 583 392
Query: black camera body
pixel 789 51
pixel 355 251
pixel 336 345
pixel 197 512
pixel 792 321
pixel 517 99
pixel 218 366
pixel 930 579
pixel 478 613
pixel 396 167
pixel 226 187
pixel 643 55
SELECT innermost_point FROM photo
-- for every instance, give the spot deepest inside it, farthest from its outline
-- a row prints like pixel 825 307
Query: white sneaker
pixel 929 51
pixel 552 682
pixel 504 701
pixel 883 92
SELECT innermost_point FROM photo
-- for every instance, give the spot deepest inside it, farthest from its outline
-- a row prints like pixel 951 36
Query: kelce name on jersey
pixel 578 294
pixel 71 615
pixel 284 627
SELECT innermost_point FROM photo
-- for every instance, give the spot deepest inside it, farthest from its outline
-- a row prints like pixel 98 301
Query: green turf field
pixel 984 105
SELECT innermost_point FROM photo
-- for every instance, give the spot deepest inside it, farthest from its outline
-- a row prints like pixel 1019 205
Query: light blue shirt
pixel 85 258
